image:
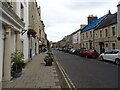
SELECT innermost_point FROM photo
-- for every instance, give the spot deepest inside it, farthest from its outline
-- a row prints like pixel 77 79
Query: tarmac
pixel 36 75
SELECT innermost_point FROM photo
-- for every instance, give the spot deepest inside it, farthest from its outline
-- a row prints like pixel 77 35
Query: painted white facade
pixel 24 37
pixel 1 50
pixel 118 24
pixel 76 38
pixel 8 18
pixel 1 47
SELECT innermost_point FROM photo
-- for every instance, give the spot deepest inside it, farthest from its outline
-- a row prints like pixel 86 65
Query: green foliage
pixel 49 53
pixel 48 60
pixel 17 60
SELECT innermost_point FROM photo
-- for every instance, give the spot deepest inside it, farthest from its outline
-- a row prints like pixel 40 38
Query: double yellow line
pixel 66 77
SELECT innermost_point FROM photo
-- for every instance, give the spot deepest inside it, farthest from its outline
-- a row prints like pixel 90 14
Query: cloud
pixel 62 17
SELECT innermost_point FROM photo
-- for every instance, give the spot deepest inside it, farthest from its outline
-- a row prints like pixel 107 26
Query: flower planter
pixel 48 60
pixel 48 63
pixel 16 74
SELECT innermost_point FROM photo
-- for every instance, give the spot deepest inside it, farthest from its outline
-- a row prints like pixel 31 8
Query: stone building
pixel 11 28
pixel 105 34
pixel 87 33
pixel 118 25
pixel 21 30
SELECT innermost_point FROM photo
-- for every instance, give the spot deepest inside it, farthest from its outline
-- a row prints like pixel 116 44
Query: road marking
pixel 69 79
pixel 66 77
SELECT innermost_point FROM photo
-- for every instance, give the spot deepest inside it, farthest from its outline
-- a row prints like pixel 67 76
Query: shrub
pixel 17 61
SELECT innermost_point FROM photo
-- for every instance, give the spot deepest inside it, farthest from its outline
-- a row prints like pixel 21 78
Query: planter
pixel 48 63
pixel 48 60
pixel 16 74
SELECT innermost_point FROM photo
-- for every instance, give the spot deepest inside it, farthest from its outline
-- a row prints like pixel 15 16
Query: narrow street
pixel 88 72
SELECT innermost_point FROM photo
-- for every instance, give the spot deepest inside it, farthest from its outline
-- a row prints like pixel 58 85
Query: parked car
pixel 92 53
pixel 77 51
pixel 67 50
pixel 82 52
pixel 111 55
pixel 72 50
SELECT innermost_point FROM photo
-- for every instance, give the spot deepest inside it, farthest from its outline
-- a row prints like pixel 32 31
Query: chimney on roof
pixel 91 18
pixel 109 12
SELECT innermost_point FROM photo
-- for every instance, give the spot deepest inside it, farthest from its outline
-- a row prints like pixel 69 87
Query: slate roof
pixel 94 23
pixel 109 20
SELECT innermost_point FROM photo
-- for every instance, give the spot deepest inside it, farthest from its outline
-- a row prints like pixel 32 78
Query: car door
pixel 114 55
pixel 107 55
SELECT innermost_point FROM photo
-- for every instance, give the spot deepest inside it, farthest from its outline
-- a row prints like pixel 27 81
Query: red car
pixel 91 53
pixel 82 52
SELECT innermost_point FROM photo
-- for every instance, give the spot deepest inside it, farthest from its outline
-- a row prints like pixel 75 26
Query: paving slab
pixel 35 75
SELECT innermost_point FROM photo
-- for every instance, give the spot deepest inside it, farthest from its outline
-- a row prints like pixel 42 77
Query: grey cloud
pixel 87 5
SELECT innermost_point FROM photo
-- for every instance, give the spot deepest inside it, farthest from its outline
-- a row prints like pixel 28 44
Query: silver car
pixel 111 55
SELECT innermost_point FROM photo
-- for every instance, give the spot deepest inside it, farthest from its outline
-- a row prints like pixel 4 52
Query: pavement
pixel 36 75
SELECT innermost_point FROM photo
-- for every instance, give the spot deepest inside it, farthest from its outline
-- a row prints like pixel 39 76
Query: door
pixel 107 55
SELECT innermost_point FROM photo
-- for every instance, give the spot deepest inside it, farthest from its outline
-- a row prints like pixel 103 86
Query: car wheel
pixel 101 58
pixel 117 61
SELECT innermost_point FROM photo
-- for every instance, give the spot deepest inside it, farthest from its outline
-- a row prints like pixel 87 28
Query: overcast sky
pixel 63 17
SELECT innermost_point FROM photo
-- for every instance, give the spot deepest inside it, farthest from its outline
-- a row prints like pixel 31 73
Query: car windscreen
pixel 92 50
pixel 115 52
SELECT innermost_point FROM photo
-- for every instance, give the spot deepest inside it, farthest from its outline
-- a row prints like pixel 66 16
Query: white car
pixel 111 55
pixel 72 50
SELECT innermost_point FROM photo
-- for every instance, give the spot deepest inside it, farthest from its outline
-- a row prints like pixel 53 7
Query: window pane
pixel 113 31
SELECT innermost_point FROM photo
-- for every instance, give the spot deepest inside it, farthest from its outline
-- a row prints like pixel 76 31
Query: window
pixel 113 45
pixel 96 34
pixel 100 33
pixel 106 45
pixel 83 36
pixel 22 12
pixel 86 45
pixel 92 50
pixel 115 52
pixel 90 33
pixel 108 52
pixel 86 35
pixel 106 32
pixel 113 31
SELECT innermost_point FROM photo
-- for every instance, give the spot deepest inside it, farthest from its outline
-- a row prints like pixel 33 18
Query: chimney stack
pixel 91 18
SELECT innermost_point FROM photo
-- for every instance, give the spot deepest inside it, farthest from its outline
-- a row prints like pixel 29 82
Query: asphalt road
pixel 88 72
